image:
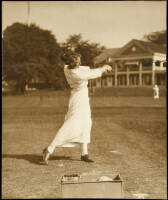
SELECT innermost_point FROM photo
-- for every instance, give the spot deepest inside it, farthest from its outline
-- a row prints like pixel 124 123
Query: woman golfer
pixel 77 124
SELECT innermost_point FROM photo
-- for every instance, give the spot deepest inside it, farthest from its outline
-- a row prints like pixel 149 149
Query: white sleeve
pixel 90 73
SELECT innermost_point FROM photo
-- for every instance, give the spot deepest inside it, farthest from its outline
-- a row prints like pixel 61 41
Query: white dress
pixel 77 124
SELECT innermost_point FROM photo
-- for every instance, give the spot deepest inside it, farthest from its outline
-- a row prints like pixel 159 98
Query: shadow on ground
pixel 36 159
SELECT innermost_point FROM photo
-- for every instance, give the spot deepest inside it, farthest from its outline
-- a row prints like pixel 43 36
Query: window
pixel 147 62
pixel 133 67
pixel 164 64
pixel 157 63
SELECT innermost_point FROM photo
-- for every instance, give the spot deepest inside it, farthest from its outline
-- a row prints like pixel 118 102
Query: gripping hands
pixel 106 68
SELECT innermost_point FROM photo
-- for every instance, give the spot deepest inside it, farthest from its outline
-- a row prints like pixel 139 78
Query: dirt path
pixel 139 156
pixel 142 170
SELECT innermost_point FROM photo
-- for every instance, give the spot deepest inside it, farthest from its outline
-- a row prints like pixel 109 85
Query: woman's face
pixel 78 61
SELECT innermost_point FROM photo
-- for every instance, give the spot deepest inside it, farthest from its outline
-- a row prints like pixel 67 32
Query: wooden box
pixel 91 186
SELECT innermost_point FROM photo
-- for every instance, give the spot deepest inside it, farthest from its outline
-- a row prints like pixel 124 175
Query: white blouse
pixel 78 78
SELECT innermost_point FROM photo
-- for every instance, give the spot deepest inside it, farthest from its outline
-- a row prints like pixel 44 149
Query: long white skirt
pixel 77 124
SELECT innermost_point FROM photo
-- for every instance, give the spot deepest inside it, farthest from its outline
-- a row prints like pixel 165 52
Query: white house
pixel 138 63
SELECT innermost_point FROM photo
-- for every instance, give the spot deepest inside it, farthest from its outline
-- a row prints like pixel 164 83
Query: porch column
pixel 122 80
pixel 134 80
pixel 162 81
pixel 140 73
pixel 109 81
pixel 153 72
pixel 127 74
pixel 161 64
pixel 115 74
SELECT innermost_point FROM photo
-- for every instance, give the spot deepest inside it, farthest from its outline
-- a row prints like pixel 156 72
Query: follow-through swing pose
pixel 77 124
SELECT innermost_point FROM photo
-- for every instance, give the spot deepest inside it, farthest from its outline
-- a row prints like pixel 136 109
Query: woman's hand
pixel 107 68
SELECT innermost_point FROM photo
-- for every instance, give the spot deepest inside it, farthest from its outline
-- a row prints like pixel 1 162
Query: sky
pixel 110 23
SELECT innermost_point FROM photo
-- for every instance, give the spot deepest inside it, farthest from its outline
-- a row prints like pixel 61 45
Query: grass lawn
pixel 135 127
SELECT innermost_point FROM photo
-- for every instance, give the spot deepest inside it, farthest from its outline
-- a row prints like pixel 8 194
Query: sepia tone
pixel 122 50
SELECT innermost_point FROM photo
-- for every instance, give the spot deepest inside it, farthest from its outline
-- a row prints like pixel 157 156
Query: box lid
pixel 67 179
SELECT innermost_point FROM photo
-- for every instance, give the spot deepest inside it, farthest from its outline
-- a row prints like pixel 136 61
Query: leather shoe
pixel 86 158
pixel 46 156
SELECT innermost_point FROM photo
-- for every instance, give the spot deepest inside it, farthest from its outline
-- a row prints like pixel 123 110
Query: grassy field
pixel 135 127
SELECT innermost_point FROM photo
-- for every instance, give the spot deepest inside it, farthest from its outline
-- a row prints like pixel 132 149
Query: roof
pixel 155 48
pixel 105 54
pixel 148 47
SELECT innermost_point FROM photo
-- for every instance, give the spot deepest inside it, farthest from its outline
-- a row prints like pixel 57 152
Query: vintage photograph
pixel 84 99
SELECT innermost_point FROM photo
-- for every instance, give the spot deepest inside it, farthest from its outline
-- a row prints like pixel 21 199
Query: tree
pixel 30 53
pixel 158 37
pixel 88 52
pixel 87 49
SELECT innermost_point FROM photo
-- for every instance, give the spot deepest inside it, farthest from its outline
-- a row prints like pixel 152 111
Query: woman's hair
pixel 71 59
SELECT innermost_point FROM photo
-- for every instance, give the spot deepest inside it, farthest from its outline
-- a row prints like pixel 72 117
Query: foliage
pixel 158 37
pixel 30 53
pixel 87 49
pixel 33 55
